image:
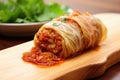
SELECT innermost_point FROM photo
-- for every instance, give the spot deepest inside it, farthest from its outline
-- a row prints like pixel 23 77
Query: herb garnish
pixel 63 19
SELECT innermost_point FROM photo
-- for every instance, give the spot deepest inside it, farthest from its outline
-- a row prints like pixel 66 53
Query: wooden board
pixel 89 64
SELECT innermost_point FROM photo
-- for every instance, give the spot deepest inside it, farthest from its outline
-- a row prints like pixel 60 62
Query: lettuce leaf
pixel 25 11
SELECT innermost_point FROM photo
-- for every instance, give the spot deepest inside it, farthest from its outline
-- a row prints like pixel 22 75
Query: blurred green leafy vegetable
pixel 25 11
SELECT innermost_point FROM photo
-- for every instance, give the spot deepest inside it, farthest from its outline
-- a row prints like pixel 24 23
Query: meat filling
pixel 49 41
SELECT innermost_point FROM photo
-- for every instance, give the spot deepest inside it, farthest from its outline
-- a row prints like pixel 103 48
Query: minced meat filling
pixel 49 41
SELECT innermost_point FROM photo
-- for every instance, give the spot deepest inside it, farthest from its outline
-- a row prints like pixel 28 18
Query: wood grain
pixel 89 64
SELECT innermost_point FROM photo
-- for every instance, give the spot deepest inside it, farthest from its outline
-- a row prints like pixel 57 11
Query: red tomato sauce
pixel 37 57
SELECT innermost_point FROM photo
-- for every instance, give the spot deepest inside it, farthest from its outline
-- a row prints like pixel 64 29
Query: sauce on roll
pixel 65 37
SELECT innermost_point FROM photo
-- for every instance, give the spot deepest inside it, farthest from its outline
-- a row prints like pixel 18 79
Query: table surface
pixel 92 6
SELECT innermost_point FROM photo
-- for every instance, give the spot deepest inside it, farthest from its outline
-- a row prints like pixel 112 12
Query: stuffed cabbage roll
pixel 68 36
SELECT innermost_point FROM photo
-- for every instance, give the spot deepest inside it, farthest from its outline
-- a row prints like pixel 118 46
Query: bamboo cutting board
pixel 89 64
